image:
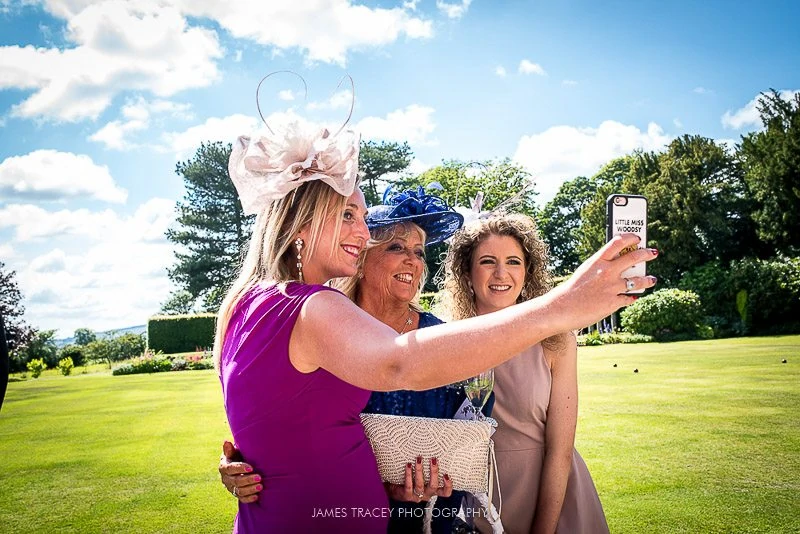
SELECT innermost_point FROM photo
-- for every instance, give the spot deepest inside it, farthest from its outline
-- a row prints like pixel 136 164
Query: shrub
pixel 667 314
pixel 205 363
pixel 36 366
pixel 147 363
pixel 750 296
pixel 179 364
pixel 592 339
pixel 65 365
pixel 180 333
pixel 76 352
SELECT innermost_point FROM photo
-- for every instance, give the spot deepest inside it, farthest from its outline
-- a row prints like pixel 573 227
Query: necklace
pixel 407 323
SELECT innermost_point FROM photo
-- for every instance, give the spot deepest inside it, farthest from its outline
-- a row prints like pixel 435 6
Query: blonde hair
pixel 270 255
pixel 457 296
pixel 381 236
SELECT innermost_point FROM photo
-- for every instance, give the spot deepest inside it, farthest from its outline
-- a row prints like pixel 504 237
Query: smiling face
pixel 497 273
pixel 394 266
pixel 337 255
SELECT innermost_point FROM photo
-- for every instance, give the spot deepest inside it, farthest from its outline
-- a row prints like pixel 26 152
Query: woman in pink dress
pixel 546 487
pixel 298 360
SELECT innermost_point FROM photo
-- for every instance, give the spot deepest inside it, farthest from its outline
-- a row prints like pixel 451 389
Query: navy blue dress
pixel 440 402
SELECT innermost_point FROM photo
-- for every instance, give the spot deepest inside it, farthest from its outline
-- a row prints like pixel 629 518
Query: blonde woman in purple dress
pixel 492 264
pixel 298 360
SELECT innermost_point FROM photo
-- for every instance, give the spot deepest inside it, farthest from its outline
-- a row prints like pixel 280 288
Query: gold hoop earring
pixel 299 244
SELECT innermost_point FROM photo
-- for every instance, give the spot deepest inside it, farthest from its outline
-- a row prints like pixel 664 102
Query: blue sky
pixel 100 99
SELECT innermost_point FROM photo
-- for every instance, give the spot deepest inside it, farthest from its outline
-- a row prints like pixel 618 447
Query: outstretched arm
pixel 333 334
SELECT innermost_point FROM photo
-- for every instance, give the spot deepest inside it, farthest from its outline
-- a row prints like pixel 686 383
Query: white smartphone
pixel 627 214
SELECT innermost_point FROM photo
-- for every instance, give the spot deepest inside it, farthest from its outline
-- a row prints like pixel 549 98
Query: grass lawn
pixel 704 438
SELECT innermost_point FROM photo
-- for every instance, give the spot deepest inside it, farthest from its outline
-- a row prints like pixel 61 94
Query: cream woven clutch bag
pixel 464 449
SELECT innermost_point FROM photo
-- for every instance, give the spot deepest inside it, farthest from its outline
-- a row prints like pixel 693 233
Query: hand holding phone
pixel 627 214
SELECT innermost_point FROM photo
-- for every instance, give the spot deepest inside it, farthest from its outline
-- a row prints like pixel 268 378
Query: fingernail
pixel 408 465
pixel 654 251
pixel 248 469
pixel 433 461
pixel 259 487
pixel 446 476
pixel 257 478
pixel 419 459
pixel 654 279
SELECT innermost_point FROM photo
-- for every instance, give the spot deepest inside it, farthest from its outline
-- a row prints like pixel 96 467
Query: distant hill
pixel 140 329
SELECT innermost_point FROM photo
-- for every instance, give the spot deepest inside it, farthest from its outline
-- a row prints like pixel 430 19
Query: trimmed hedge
pixel 180 333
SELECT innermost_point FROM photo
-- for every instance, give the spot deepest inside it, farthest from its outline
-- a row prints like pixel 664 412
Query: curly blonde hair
pixel 457 297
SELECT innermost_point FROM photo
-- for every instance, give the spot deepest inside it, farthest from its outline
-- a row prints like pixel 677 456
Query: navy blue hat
pixel 429 212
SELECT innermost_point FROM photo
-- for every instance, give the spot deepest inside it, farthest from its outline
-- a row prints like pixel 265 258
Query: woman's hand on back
pixel 237 476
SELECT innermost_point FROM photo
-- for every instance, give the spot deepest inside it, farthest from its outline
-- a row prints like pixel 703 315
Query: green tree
pixel 126 346
pixel 771 160
pixel 180 302
pixel 18 332
pixel 697 208
pixel 501 183
pixel 84 336
pixel 212 227
pixel 591 234
pixel 560 223
pixel 100 351
pixel 42 346
pixel 375 161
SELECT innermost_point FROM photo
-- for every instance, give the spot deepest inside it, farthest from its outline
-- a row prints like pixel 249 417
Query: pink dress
pixel 522 396
pixel 302 432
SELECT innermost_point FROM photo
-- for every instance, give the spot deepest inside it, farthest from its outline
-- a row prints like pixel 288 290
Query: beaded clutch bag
pixel 463 448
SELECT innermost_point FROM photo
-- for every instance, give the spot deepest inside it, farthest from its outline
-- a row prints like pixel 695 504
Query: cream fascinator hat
pixel 269 167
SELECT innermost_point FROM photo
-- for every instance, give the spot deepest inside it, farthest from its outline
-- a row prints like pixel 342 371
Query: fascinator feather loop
pixel 269 167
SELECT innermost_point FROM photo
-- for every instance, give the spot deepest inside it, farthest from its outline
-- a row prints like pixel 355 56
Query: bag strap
pixel 494 515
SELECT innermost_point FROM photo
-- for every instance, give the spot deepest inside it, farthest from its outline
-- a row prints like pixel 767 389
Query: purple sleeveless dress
pixel 302 432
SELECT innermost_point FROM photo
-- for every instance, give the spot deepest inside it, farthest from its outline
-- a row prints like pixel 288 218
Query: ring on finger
pixel 236 491
pixel 629 284
pixel 419 494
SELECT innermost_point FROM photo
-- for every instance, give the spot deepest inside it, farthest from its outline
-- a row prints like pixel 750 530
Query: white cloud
pixel 137 114
pixel 562 153
pixel 53 261
pixel 118 46
pixel 748 115
pixel 286 94
pixel 702 91
pixel 325 31
pixel 225 129
pixel 7 253
pixel 528 67
pixel 116 278
pixel 569 83
pixel 237 58
pixel 410 5
pixel 677 122
pixel 453 10
pixel 500 71
pixel 414 124
pixel 339 100
pixel 54 175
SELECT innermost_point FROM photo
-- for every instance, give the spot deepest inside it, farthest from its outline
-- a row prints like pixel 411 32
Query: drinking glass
pixel 477 389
